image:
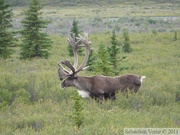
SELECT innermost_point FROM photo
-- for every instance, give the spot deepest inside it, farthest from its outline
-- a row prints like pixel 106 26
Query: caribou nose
pixel 62 85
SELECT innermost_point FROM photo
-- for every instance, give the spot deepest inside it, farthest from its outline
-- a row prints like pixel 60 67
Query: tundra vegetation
pixel 32 101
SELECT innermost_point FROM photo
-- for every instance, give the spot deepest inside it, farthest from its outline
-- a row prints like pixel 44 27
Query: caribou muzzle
pixel 63 85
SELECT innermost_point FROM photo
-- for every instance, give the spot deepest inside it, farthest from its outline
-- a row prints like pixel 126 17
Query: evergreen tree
pixel 6 34
pixel 113 51
pixel 175 36
pixel 35 43
pixel 102 65
pixel 91 61
pixel 77 114
pixel 115 58
pixel 75 29
pixel 126 44
pixel 74 32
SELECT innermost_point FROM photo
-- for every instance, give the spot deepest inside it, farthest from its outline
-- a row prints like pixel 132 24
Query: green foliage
pixel 177 99
pixel 102 64
pixel 5 97
pixel 6 34
pixel 35 43
pixel 91 61
pixel 74 32
pixel 77 114
pixel 154 32
pixel 75 29
pixel 175 36
pixel 126 43
pixel 114 51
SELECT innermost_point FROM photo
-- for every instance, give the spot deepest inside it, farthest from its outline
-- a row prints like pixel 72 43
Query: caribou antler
pixel 69 65
pixel 87 44
pixel 63 73
pixel 75 45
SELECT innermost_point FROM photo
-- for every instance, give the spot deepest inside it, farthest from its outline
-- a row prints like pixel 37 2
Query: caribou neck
pixel 83 83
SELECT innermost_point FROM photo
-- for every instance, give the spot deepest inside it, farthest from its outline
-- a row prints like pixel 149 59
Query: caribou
pixel 98 86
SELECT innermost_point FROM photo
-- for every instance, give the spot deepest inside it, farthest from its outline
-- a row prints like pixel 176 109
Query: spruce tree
pixel 126 44
pixel 113 51
pixel 74 32
pixel 35 43
pixel 102 65
pixel 91 61
pixel 75 29
pixel 114 54
pixel 175 36
pixel 6 35
pixel 78 110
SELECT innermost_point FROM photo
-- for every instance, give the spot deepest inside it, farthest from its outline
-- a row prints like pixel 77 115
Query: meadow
pixel 33 102
pixel 138 18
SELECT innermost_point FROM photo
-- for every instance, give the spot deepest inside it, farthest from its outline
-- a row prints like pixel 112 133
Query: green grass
pixel 155 105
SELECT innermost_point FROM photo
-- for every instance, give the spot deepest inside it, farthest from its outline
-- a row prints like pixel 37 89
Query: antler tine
pixel 87 44
pixel 69 65
pixel 62 72
pixel 74 44
pixel 86 36
pixel 84 40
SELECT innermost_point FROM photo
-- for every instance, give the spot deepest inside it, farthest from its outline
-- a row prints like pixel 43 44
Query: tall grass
pixel 32 101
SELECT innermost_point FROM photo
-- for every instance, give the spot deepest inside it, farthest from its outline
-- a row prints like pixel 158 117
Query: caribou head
pixel 70 77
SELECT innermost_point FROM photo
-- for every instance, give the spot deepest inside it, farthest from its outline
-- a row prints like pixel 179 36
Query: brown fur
pixel 104 86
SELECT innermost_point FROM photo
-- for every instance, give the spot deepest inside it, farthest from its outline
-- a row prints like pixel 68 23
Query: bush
pixel 77 114
pixel 175 36
pixel 102 64
pixel 126 43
